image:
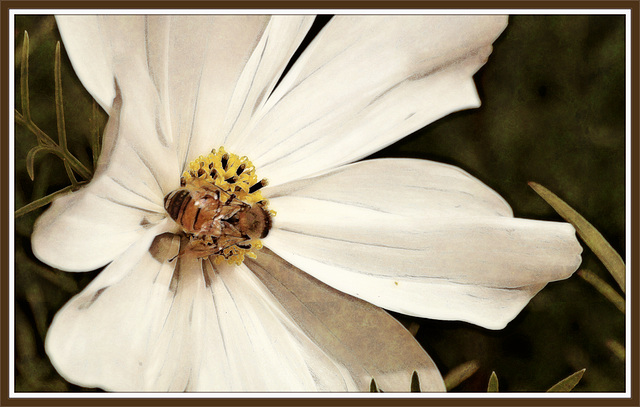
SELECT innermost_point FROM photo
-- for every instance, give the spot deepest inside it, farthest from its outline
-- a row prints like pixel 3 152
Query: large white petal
pixel 155 94
pixel 146 324
pixel 422 238
pixel 198 76
pixel 368 341
pixel 89 228
pixel 364 83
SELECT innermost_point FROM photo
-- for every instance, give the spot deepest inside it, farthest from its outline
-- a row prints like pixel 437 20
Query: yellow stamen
pixel 234 176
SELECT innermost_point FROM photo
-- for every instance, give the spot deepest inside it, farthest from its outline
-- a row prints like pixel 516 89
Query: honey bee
pixel 214 219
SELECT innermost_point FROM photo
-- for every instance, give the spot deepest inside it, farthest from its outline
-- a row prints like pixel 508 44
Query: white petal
pixel 368 341
pixel 89 52
pixel 415 243
pixel 280 40
pixel 145 324
pixel 364 83
pixel 106 329
pixel 199 77
pixel 89 228
pixel 155 66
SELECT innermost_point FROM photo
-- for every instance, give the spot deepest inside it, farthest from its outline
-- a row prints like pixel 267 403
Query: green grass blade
pixel 493 383
pixel 72 178
pixel 415 382
pixel 62 134
pixel 373 387
pixel 95 134
pixel 460 373
pixel 617 349
pixel 604 288
pixel 24 78
pixel 31 156
pixel 566 385
pixel 42 201
pixel 594 239
pixel 35 130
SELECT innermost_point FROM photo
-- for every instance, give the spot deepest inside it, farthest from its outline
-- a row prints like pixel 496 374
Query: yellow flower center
pixel 220 208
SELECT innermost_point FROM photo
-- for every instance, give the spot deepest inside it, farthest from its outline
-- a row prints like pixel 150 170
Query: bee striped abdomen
pixel 175 204
pixel 195 210
pixel 220 208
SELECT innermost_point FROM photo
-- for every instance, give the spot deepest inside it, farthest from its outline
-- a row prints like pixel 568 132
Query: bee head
pixel 255 221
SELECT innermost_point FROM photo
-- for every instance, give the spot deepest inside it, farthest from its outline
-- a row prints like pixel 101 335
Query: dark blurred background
pixel 553 112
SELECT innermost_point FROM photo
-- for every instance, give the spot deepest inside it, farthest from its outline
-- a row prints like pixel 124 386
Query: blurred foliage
pixel 568 383
pixel 493 386
pixel 553 112
pixel 460 373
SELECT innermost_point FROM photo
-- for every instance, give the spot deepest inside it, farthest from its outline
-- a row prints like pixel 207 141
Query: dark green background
pixel 553 96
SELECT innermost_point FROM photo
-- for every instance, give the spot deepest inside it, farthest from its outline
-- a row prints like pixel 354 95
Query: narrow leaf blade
pixel 493 383
pixel 415 382
pixel 604 288
pixel 617 349
pixel 594 239
pixel 95 135
pixel 24 78
pixel 373 387
pixel 62 134
pixel 567 384
pixel 41 202
pixel 31 157
pixel 460 373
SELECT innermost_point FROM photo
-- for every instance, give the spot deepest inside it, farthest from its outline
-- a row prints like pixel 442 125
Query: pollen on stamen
pixel 236 179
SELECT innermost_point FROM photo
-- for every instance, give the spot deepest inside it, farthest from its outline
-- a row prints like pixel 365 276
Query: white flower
pixel 412 236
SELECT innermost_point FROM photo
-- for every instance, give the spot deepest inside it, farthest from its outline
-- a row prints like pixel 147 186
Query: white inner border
pixel 176 396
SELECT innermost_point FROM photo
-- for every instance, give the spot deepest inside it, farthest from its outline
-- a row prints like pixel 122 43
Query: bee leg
pixel 242 243
pixel 228 211
pixel 180 253
pixel 231 231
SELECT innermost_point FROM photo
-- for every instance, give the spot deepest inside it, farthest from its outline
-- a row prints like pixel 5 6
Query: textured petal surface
pixel 146 324
pixel 89 228
pixel 167 81
pixel 424 239
pixel 198 76
pixel 368 341
pixel 364 83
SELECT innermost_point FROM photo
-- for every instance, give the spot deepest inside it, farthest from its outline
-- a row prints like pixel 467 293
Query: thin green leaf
pixel 42 201
pixel 35 130
pixel 373 387
pixel 605 289
pixel 493 383
pixel 415 382
pixel 31 156
pixel 460 373
pixel 24 78
pixel 95 134
pixel 594 239
pixel 62 134
pixel 72 178
pixel 617 349
pixel 77 166
pixel 566 385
